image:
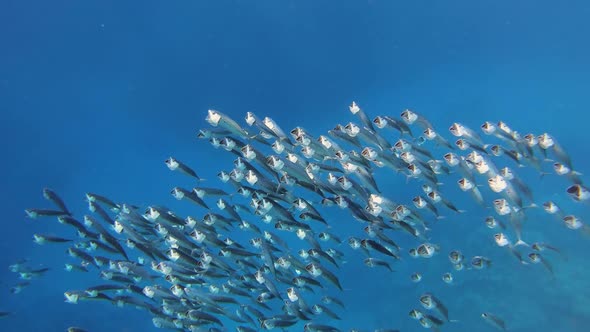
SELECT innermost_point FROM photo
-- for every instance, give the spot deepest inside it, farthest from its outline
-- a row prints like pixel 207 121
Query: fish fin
pixel 520 242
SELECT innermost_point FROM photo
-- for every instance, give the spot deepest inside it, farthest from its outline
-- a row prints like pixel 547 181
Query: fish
pixel 563 170
pixel 494 321
pixel 466 185
pixel 410 117
pixel 492 223
pixel 435 197
pixel 548 143
pixel 552 208
pixel 373 262
pixel 536 258
pixel 386 121
pixel 540 246
pixel 459 130
pixel 455 256
pixel 176 165
pixel 480 262
pixel 19 287
pixel 356 110
pixel 431 135
pixel 53 197
pixel 371 244
pixel 35 213
pixel 43 239
pixel 498 150
pixel 218 119
pixel 573 222
pixel 96 198
pixel 503 241
pixel 431 302
pixel 447 278
pixel 578 193
pixel 180 193
pixel 316 270
pixel 416 277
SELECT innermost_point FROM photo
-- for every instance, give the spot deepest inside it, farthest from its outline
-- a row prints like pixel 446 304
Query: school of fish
pixel 231 264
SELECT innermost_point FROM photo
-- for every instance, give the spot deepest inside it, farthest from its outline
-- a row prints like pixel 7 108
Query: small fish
pixel 466 185
pixel 430 302
pixel 459 130
pixel 52 196
pixel 447 278
pixel 537 258
pixel 355 109
pixel 578 193
pixel 416 277
pixel 218 119
pixel 539 246
pixel 372 262
pixel 552 208
pixel 456 256
pixel 386 121
pixel 16 289
pixel 30 274
pixel 492 223
pixel 494 321
pixel 563 170
pixel 480 262
pixel 463 145
pixel 329 300
pixel 43 239
pixel 174 164
pixel 436 197
pixel 410 117
pixel 548 143
pixel 415 314
pixel 503 241
pixel 427 250
pixel 180 193
pixel 370 244
pixel 498 151
pixel 316 270
pixel 35 213
pixel 430 322
pixel 573 222
pixel 430 134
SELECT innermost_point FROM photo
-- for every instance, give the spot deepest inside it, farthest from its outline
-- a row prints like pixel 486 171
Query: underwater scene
pixel 293 165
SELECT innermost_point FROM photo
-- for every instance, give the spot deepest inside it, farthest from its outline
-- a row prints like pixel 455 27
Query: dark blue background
pixel 95 95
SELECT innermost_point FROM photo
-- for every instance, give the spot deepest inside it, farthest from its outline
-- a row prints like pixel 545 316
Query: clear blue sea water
pixel 95 95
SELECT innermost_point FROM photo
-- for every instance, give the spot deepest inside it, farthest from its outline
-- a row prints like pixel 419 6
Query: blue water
pixel 95 95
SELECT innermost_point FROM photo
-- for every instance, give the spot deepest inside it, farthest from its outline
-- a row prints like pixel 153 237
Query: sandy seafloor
pixel 95 95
